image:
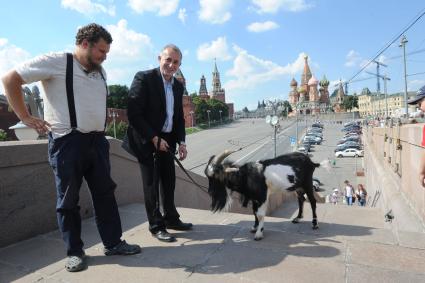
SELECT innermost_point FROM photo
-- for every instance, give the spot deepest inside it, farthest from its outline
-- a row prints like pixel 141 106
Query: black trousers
pixel 167 182
pixel 72 158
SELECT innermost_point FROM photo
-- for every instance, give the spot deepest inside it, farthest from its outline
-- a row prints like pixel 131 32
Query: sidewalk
pixel 352 245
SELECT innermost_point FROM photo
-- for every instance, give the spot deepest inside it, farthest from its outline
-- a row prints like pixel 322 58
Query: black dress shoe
pixel 179 225
pixel 164 236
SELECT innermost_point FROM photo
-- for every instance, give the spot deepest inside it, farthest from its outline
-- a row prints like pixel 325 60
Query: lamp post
pixel 221 122
pixel 385 92
pixel 191 116
pixel 403 45
pixel 209 123
pixel 114 115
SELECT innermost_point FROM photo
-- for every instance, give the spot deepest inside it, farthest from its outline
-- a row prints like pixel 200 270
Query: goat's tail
pixel 326 164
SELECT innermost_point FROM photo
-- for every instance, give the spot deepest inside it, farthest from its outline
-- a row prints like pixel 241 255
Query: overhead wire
pixel 382 50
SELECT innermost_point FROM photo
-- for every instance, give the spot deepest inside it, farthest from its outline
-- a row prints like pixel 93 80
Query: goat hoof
pixel 315 227
pixel 258 238
pixel 315 224
pixel 253 229
pixel 296 220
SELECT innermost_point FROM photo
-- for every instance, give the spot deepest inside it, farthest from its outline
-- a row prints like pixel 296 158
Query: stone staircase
pixel 353 244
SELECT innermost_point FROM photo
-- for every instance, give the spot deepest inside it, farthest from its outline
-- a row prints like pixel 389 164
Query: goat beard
pixel 219 195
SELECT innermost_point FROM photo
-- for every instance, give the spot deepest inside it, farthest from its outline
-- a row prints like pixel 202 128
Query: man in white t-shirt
pixel 75 113
pixel 349 191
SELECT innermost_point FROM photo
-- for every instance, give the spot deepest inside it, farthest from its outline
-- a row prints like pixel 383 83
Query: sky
pixel 258 45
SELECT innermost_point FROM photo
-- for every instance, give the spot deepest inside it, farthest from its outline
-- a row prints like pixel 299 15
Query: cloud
pixel 88 7
pixel 128 49
pixel 249 71
pixel 353 59
pixel 215 11
pixel 215 49
pixel 414 85
pixel 10 57
pixel 273 6
pixel 261 27
pixel 128 44
pixel 161 7
pixel 182 15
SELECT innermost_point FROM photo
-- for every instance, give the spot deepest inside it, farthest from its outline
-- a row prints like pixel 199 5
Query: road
pixel 255 137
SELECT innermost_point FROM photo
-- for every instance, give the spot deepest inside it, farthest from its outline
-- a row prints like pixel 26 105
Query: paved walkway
pixel 353 244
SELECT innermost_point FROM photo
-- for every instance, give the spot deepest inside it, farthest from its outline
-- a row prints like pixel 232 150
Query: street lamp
pixel 220 116
pixel 403 44
pixel 274 122
pixel 114 115
pixel 191 115
pixel 385 92
pixel 209 123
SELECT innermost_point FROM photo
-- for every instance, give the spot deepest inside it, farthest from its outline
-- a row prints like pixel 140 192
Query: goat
pixel 255 181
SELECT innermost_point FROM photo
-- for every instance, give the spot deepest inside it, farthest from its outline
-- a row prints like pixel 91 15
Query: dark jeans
pixel 73 157
pixel 167 182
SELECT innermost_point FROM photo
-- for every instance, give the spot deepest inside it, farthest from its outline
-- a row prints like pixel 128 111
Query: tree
pixel 118 96
pixel 350 102
pixel 287 107
pixel 245 110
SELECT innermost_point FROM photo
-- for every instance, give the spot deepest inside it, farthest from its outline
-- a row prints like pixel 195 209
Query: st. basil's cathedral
pixel 309 99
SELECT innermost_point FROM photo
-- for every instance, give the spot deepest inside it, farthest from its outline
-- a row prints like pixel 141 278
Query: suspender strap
pixel 70 90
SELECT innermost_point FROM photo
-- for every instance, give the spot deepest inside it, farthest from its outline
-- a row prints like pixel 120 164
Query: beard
pixel 92 66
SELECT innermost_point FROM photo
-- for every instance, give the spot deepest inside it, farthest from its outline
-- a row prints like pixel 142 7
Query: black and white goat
pixel 255 181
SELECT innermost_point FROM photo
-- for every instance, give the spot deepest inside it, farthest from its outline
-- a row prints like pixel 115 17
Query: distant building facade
pixel 311 96
pixel 217 92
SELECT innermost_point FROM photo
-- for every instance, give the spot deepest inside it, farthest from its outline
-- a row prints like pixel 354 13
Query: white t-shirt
pixel 89 93
pixel 348 191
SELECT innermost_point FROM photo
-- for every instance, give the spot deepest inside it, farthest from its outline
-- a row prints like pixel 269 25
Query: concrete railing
pixel 28 194
pixel 392 158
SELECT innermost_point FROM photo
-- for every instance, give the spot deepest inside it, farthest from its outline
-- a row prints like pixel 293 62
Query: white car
pixel 349 152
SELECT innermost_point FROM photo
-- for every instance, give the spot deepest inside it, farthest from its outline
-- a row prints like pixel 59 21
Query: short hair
pixel 174 47
pixel 92 33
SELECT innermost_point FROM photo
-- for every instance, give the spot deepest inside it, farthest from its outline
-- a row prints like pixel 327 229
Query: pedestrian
pixel 156 126
pixel 335 196
pixel 77 145
pixel 349 192
pixel 361 195
pixel 420 101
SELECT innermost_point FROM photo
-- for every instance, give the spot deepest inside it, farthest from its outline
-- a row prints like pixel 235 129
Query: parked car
pixel 312 140
pixel 344 147
pixel 349 152
pixel 317 184
pixel 317 125
pixel 349 143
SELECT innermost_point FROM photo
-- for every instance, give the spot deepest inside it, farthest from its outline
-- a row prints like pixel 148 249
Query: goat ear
pixel 231 169
pixel 209 171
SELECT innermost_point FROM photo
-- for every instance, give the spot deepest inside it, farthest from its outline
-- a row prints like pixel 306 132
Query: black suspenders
pixel 70 90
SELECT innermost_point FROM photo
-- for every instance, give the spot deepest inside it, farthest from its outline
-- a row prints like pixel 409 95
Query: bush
pixel 3 135
pixel 120 127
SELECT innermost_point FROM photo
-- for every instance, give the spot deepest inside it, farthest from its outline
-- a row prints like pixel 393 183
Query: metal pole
pixel 113 119
pixel 386 100
pixel 403 44
pixel 275 130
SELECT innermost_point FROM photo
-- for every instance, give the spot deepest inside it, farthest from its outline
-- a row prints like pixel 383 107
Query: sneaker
pixel 123 249
pixel 76 263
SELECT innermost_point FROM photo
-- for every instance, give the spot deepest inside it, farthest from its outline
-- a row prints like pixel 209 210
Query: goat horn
pixel 231 169
pixel 221 157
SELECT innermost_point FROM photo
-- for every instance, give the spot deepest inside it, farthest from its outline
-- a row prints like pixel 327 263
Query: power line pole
pixel 403 45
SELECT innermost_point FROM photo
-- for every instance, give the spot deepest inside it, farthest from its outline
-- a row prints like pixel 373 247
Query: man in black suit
pixel 155 114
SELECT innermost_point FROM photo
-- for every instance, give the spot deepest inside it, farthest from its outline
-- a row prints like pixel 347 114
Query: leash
pixel 202 188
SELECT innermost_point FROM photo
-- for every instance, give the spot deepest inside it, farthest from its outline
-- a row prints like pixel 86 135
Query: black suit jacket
pixel 147 112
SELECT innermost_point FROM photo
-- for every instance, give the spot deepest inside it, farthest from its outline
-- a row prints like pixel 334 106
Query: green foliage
pixel 214 106
pixel 118 96
pixel 120 127
pixel 350 102
pixel 245 109
pixel 3 135
pixel 192 130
